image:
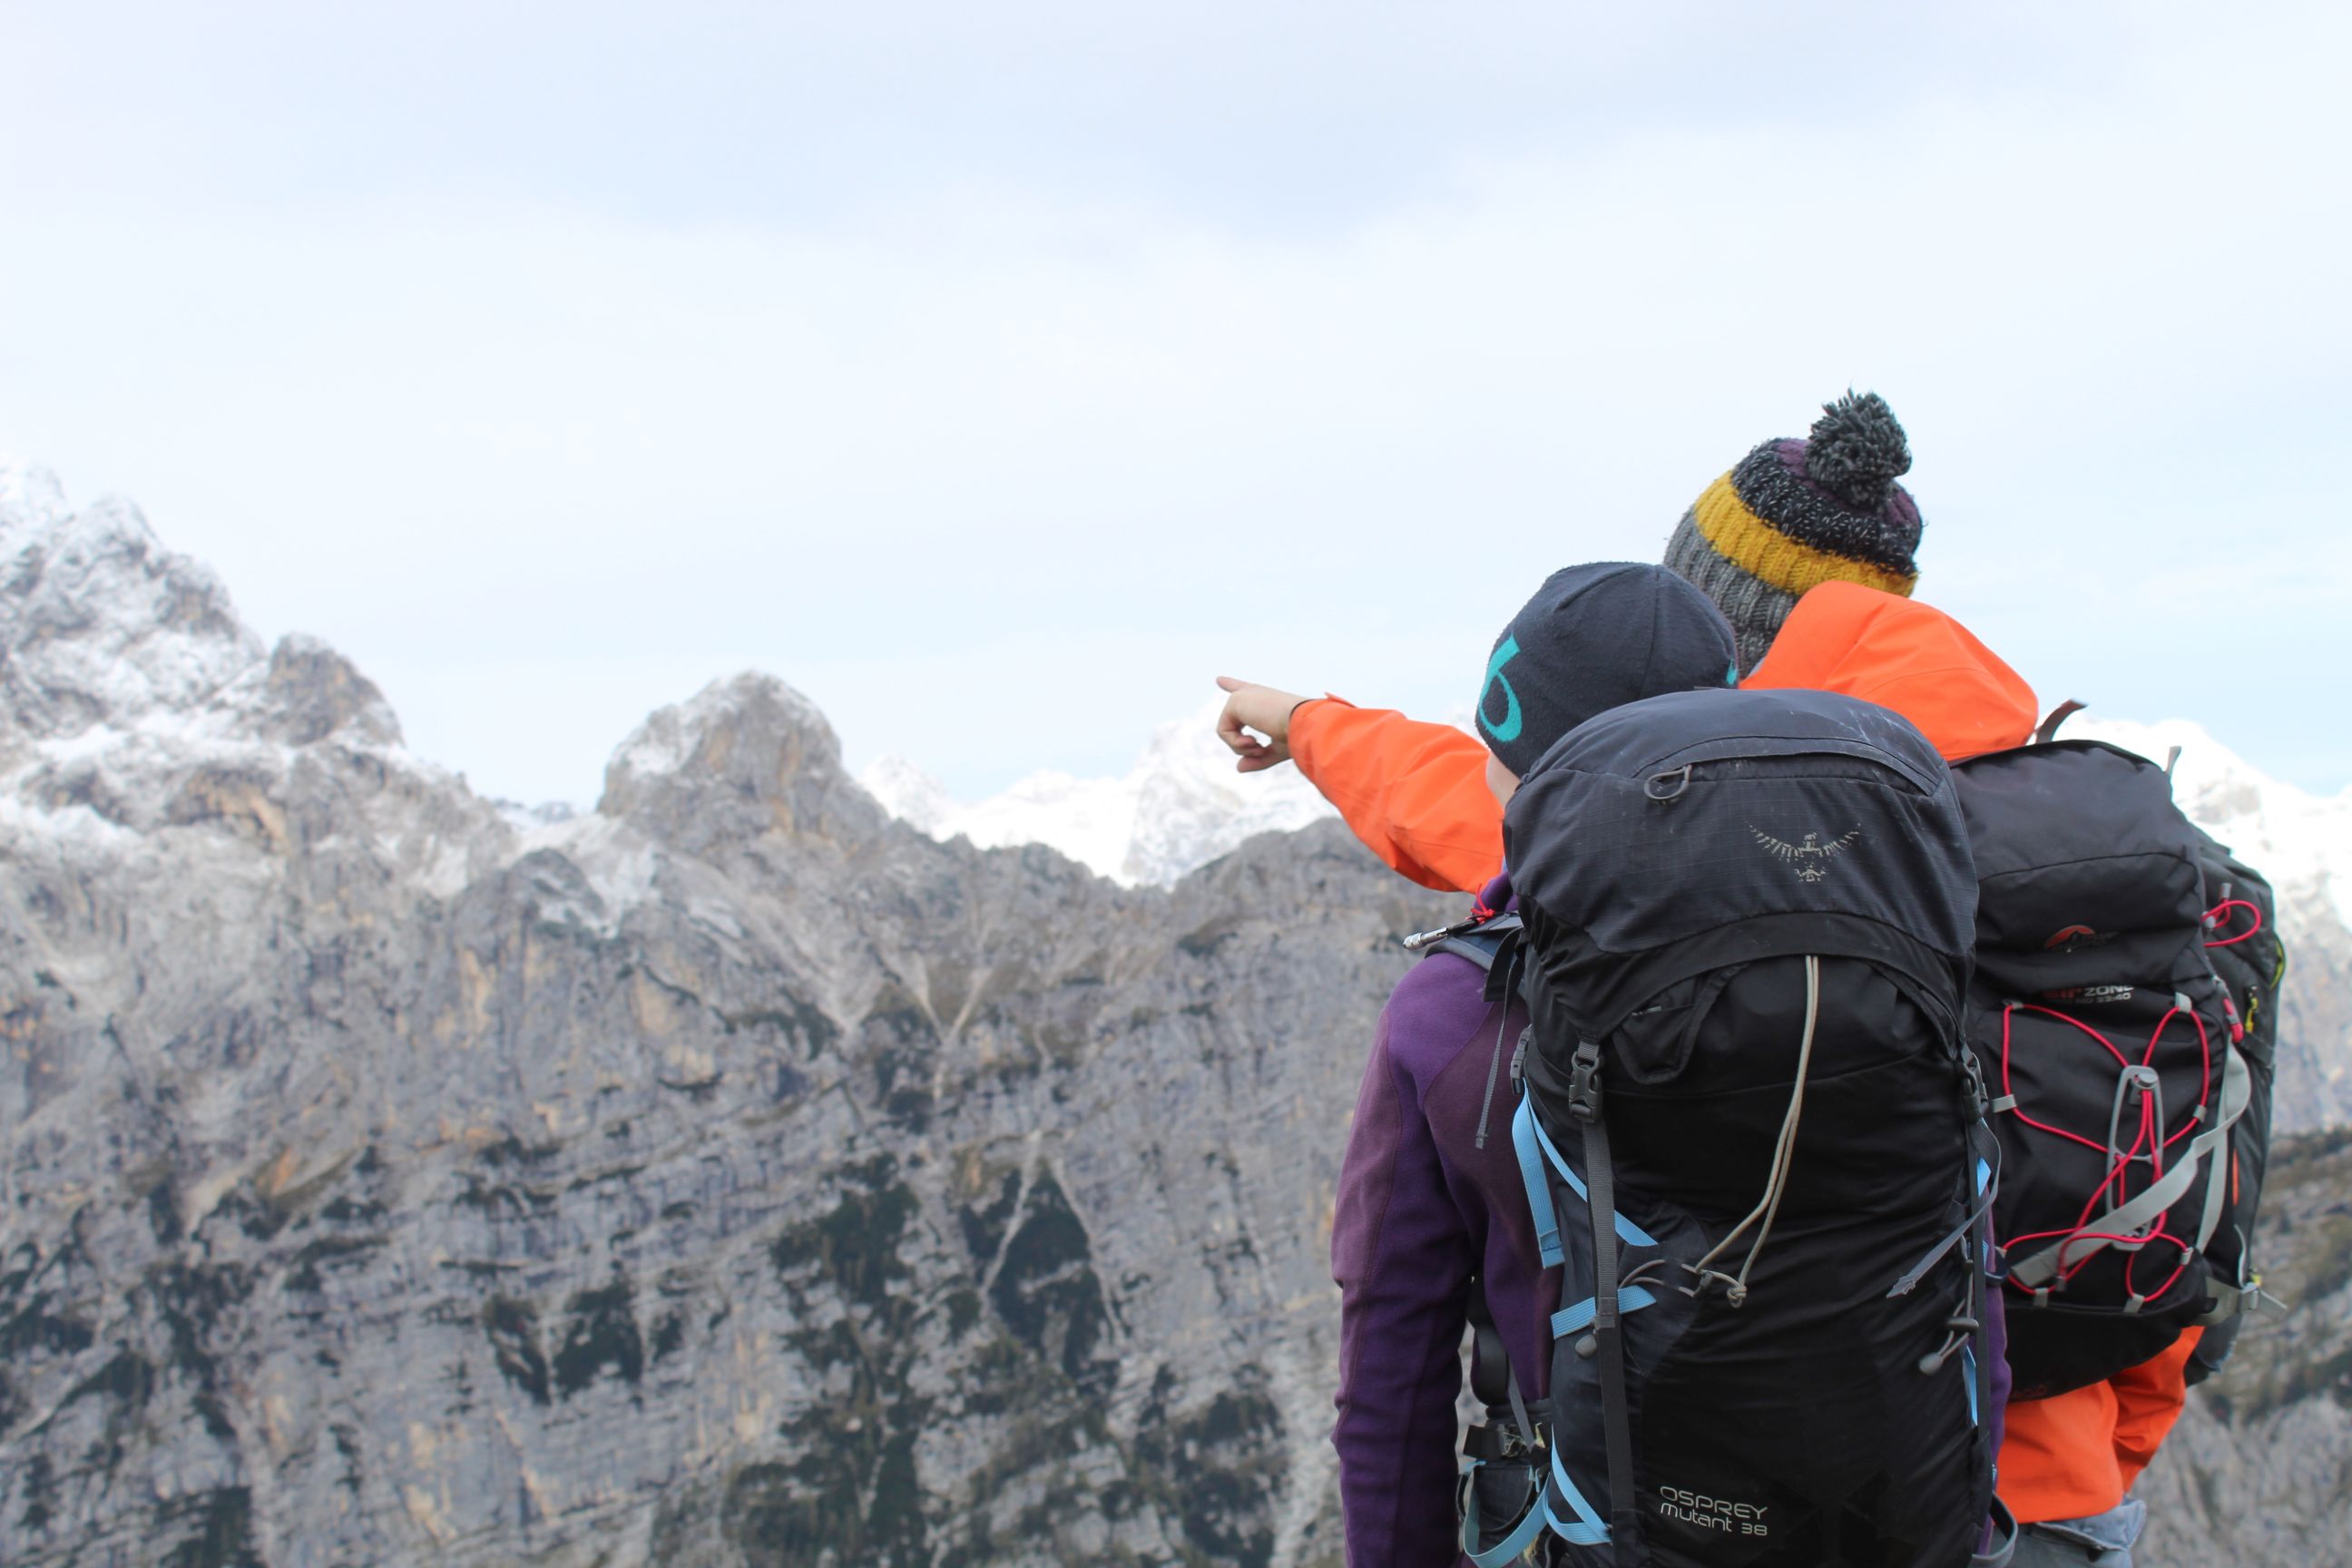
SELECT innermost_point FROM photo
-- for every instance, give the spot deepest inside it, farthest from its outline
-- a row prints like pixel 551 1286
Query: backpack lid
pixel 2077 844
pixel 1700 828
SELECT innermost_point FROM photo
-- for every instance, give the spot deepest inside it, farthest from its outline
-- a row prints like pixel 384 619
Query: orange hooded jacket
pixel 1416 794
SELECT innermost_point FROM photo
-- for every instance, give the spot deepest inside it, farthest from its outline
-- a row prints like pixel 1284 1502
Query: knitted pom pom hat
pixel 1796 514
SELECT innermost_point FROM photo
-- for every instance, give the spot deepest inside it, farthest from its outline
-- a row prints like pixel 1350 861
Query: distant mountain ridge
pixel 1179 807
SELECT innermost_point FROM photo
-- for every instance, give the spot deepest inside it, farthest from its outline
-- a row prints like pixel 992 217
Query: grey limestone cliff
pixel 729 1175
pixel 2259 1471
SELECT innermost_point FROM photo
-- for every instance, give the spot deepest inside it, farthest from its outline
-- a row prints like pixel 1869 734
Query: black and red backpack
pixel 2130 1095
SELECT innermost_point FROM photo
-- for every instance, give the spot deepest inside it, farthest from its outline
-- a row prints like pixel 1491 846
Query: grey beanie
pixel 1795 514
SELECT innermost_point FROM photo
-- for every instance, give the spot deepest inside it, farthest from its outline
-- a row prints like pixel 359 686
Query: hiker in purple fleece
pixel 1430 1193
pixel 1423 1207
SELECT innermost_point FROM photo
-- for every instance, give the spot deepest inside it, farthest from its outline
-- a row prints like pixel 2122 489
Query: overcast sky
pixel 998 374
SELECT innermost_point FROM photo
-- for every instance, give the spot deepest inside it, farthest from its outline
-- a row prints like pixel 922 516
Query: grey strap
pixel 2237 1088
pixel 1525 1422
pixel 2217 1187
pixel 2005 1531
pixel 1919 1271
pixel 1617 1434
pixel 2047 731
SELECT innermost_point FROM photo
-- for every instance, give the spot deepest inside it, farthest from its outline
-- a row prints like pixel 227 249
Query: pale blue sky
pixel 999 375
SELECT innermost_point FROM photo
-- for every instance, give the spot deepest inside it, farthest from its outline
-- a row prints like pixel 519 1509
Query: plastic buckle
pixel 1972 1072
pixel 1584 1082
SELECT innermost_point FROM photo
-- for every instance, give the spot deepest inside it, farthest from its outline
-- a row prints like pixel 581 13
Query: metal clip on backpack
pixel 1753 1141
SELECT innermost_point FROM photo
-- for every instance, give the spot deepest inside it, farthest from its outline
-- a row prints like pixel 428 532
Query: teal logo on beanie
pixel 1512 720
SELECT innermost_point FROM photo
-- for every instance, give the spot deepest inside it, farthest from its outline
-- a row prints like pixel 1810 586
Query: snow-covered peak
pixel 100 626
pixel 1180 806
pixel 910 795
pixel 133 700
pixel 30 498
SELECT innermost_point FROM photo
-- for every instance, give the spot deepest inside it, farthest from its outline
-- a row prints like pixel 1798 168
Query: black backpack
pixel 1753 1142
pixel 2117 1057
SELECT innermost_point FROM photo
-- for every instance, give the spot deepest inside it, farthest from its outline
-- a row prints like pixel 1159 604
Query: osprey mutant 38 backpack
pixel 2132 1101
pixel 1753 1139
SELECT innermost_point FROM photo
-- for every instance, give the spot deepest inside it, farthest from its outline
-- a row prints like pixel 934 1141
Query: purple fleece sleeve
pixel 1403 1260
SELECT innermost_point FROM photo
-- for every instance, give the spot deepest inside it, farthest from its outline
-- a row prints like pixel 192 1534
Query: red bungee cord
pixel 2148 1138
pixel 2219 916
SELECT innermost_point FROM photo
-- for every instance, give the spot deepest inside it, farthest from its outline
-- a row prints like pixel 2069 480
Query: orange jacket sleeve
pixel 1415 793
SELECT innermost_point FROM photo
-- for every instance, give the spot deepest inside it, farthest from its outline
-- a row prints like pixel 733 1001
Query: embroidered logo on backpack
pixel 2070 939
pixel 1810 861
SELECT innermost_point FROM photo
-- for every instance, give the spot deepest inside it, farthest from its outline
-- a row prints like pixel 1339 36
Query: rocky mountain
pixel 733 1173
pixel 2259 1470
pixel 728 1175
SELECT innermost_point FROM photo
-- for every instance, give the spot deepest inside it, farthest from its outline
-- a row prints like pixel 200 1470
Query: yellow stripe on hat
pixel 1760 549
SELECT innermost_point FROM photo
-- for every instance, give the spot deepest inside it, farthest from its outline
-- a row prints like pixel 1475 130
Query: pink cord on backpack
pixel 2219 915
pixel 2149 1136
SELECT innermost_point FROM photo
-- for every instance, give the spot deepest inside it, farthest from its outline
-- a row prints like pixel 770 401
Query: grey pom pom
pixel 1856 450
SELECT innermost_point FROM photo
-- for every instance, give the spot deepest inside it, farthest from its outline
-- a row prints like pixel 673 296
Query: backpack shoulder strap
pixel 1485 944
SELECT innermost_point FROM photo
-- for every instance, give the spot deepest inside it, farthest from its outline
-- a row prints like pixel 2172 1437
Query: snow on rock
pixel 1180 806
pixel 132 696
pixel 103 626
pixel 910 795
pixel 30 498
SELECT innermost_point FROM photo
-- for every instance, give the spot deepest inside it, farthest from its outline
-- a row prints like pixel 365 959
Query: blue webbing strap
pixel 1569 1320
pixel 1522 1536
pixel 1529 1137
pixel 1524 1134
pixel 1587 1529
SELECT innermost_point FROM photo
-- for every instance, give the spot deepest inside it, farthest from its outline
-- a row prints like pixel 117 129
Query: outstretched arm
pixel 1415 793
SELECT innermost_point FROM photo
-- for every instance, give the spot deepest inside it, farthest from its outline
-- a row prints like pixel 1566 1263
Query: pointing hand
pixel 1260 707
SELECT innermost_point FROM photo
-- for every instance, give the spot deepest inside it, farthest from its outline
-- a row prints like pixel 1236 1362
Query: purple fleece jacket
pixel 1421 1208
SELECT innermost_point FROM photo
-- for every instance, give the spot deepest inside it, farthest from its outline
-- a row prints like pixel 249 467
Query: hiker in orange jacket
pixel 1415 792
pixel 1817 593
